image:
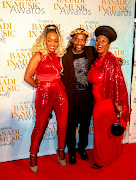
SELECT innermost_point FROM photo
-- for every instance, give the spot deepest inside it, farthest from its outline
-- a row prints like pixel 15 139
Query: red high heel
pixel 62 162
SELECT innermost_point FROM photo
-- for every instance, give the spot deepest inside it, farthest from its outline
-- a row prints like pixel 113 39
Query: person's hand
pixel 118 109
pixel 121 60
pixel 37 82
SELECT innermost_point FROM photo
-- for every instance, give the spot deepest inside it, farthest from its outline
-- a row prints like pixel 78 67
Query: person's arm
pixel 118 110
pixel 30 71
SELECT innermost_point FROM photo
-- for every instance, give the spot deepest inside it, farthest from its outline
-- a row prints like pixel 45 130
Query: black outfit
pixel 79 92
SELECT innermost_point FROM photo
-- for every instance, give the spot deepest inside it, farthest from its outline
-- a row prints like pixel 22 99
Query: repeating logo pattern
pixel 7 86
pixel 21 22
pixel 19 60
pixel 23 6
pixel 114 8
pixel 9 136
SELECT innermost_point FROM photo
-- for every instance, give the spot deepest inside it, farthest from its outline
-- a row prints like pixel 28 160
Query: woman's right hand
pixel 37 82
pixel 30 71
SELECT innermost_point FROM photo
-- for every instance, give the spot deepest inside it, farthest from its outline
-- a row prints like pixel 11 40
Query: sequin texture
pixel 107 85
pixel 114 86
pixel 50 94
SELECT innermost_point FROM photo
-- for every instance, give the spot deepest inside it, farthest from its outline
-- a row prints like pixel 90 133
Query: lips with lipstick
pixel 52 48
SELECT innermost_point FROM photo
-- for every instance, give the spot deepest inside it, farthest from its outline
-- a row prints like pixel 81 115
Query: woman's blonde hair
pixel 40 43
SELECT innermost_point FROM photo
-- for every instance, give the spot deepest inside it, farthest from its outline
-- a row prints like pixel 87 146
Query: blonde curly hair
pixel 40 43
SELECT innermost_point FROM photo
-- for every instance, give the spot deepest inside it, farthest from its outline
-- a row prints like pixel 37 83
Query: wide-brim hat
pixel 107 31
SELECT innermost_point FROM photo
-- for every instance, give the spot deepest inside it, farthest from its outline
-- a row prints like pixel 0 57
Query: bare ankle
pixel 33 160
pixel 61 154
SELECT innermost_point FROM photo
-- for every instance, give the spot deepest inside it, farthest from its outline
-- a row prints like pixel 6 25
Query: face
pixel 102 45
pixel 79 41
pixel 52 41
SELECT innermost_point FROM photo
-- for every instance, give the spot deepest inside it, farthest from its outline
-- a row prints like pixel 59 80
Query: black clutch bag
pixel 117 129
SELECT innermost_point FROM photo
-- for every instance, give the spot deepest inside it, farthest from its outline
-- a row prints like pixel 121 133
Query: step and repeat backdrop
pixel 21 22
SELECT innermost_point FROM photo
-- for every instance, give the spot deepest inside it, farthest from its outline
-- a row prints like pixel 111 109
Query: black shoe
pixel 72 159
pixel 83 154
pixel 95 166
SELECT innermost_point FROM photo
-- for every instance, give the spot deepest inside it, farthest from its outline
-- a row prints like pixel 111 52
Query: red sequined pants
pixel 50 95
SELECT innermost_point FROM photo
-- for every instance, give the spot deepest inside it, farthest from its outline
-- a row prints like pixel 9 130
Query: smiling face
pixel 52 41
pixel 102 45
pixel 79 41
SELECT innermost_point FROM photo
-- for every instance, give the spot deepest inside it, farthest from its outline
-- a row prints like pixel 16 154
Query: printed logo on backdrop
pixel 6 30
pixel 134 63
pixel 72 7
pixel 9 136
pixel 37 28
pixel 7 86
pixel 90 27
pixel 23 112
pixel 19 59
pixel 120 54
pixel 51 132
pixel 134 100
pixel 23 6
pixel 114 8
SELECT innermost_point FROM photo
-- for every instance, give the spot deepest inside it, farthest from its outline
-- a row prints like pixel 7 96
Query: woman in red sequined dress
pixel 110 95
pixel 46 65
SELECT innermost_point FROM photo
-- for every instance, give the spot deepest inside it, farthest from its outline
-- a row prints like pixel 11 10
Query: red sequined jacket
pixel 114 84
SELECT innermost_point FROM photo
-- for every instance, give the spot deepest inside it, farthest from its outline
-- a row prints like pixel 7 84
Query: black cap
pixel 107 31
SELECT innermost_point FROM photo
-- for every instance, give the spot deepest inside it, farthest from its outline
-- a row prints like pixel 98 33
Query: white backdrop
pixel 21 22
pixel 132 131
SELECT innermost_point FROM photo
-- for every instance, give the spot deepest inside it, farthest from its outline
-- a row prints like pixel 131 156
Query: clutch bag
pixel 117 129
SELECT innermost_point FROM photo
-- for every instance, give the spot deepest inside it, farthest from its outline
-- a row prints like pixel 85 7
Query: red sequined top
pixel 110 78
pixel 49 68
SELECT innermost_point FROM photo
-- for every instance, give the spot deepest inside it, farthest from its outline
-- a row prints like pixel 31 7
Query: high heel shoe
pixel 33 163
pixel 62 162
pixel 95 166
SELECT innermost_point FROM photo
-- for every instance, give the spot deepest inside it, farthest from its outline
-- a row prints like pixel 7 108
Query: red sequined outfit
pixel 50 94
pixel 107 85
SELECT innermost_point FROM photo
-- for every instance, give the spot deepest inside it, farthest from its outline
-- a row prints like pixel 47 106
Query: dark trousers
pixel 80 111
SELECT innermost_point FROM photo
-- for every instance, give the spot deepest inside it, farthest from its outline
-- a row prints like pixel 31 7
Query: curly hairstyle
pixel 40 43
